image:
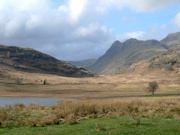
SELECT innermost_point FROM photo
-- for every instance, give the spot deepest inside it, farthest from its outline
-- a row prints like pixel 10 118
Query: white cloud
pixel 76 7
pixel 73 8
pixel 138 5
pixel 127 19
pixel 63 8
pixel 163 26
pixel 176 20
pixel 154 31
pixel 101 10
pixel 135 34
pixel 150 5
pixel 72 30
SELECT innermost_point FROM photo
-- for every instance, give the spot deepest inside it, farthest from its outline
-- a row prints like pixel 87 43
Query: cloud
pixel 138 5
pixel 73 8
pixel 150 5
pixel 76 7
pixel 127 19
pixel 135 34
pixel 70 30
pixel 176 20
pixel 154 31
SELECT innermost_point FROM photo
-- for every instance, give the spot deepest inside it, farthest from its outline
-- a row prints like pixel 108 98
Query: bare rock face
pixel 30 60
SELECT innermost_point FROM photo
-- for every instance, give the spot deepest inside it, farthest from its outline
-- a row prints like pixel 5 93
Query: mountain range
pixel 123 54
pixel 118 57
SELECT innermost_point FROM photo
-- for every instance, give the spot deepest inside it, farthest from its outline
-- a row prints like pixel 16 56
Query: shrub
pixel 45 82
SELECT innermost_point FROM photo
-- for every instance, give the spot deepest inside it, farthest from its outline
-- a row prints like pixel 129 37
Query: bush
pixel 45 82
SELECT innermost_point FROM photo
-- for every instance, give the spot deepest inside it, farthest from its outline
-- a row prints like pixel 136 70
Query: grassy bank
pixel 73 111
pixel 104 126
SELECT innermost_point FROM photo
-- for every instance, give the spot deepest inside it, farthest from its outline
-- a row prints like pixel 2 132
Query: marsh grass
pixel 72 111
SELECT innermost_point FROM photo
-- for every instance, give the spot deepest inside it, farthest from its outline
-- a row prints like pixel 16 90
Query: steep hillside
pixel 83 63
pixel 172 40
pixel 30 60
pixel 167 61
pixel 121 55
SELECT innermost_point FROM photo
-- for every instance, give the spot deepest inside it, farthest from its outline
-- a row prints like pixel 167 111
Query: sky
pixel 84 29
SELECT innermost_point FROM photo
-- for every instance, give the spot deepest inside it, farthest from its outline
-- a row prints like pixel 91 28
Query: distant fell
pixel 83 63
pixel 121 55
pixel 30 60
pixel 172 40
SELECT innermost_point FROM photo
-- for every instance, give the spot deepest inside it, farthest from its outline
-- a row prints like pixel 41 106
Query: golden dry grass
pixel 104 86
pixel 73 111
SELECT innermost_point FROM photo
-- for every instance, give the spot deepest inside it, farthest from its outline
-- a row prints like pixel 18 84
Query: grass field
pixel 104 126
pixel 104 86
pixel 109 104
pixel 74 111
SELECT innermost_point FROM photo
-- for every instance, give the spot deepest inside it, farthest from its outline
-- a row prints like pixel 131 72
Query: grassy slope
pixel 29 60
pixel 167 61
pixel 104 126
pixel 172 40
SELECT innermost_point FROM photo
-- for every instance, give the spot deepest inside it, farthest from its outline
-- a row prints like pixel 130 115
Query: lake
pixel 5 101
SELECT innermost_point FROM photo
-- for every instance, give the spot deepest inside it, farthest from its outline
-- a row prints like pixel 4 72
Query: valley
pixel 83 67
pixel 127 84
pixel 99 100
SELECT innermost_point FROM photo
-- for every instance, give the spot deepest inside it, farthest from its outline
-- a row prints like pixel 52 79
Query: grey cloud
pixel 55 31
pixel 52 31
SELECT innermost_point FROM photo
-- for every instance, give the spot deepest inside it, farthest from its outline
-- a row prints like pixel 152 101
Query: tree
pixel 45 82
pixel 153 86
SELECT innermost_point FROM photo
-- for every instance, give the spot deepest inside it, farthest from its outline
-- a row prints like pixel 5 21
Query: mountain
pixel 167 61
pixel 121 55
pixel 30 60
pixel 82 63
pixel 172 40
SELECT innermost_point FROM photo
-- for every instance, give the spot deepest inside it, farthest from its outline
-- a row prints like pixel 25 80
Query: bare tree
pixel 153 86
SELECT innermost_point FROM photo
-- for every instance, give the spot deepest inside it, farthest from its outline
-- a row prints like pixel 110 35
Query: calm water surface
pixel 5 101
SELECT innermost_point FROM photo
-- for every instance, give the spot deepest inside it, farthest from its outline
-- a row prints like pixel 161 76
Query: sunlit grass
pixel 125 125
pixel 73 111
